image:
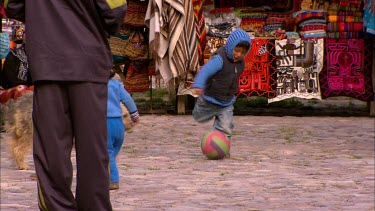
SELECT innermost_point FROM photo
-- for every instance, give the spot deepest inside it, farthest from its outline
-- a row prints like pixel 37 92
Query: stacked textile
pixel 345 20
pixel 252 21
pixel 275 23
pixel 311 24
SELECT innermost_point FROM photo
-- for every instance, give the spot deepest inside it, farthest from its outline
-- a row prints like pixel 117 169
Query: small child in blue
pixel 116 129
pixel 217 82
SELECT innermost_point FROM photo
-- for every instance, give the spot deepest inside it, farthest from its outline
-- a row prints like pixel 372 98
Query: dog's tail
pixel 6 110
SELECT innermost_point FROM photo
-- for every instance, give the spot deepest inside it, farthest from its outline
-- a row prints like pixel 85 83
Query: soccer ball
pixel 215 145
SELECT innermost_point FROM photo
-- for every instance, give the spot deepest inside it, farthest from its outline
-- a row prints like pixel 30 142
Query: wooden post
pixel 181 104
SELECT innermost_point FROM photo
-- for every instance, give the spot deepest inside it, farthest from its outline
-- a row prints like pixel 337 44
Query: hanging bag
pixel 137 48
pixel 136 12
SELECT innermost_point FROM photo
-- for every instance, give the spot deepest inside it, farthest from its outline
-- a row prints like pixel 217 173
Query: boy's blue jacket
pixel 215 64
pixel 116 94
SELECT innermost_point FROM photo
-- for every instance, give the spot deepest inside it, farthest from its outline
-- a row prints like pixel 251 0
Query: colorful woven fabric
pixel 200 28
pixel 350 5
pixel 251 25
pixel 259 76
pixel 279 6
pixel 304 15
pixel 345 35
pixel 272 27
pixel 348 69
pixel 344 27
pixel 314 27
pixel 314 34
pixel 135 14
pixel 137 78
pixel 344 13
pixel 252 16
pixel 339 18
pixel 271 20
pixel 297 72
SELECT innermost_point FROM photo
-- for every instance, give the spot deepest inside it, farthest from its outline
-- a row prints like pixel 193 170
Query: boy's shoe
pixel 114 186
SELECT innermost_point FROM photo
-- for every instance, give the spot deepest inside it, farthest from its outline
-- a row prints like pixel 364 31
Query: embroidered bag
pixel 136 12
pixel 137 48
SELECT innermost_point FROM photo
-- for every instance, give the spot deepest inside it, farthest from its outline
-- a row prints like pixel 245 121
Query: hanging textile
pixel 172 37
pixel 135 14
pixel 259 76
pixel 137 77
pixel 348 69
pixel 299 63
pixel 200 28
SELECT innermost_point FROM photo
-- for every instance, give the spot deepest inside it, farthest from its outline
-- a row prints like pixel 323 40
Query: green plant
pixel 254 102
pixel 313 101
pixel 287 103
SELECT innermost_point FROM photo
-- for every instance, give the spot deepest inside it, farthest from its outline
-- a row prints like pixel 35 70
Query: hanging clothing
pixel 172 37
pixel 200 27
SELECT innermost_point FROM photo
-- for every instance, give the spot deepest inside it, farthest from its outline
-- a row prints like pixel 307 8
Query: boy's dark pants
pixel 67 114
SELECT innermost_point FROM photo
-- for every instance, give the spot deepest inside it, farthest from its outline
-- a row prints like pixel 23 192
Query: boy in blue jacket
pixel 217 82
pixel 116 130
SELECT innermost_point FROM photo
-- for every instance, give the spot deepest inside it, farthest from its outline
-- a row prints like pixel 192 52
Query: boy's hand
pixel 197 91
pixel 136 122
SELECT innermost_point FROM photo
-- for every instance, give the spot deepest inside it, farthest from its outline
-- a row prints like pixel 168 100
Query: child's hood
pixel 236 37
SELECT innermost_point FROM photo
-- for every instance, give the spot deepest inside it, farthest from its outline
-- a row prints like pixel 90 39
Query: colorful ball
pixel 215 145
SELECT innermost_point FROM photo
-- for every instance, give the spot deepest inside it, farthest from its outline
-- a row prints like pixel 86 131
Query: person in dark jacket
pixel 217 82
pixel 15 71
pixel 70 61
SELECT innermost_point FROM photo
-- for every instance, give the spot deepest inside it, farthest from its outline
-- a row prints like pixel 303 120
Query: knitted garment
pixel 236 37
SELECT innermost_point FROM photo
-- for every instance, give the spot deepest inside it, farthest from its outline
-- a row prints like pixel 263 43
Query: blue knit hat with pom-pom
pixel 236 37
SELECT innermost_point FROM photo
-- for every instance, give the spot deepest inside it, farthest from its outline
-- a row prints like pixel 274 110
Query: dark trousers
pixel 67 114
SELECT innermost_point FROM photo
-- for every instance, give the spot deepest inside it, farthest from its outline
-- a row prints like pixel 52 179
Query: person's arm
pixel 113 13
pixel 127 100
pixel 15 9
pixel 214 65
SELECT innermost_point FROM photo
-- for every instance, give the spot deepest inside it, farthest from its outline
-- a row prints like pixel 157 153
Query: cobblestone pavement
pixel 276 163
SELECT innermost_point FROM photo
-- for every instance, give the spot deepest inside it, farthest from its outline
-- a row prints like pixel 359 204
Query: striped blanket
pixel 172 37
pixel 339 18
pixel 344 13
pixel 344 27
pixel 342 35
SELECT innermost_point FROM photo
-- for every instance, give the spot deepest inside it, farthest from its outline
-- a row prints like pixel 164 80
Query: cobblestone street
pixel 276 163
